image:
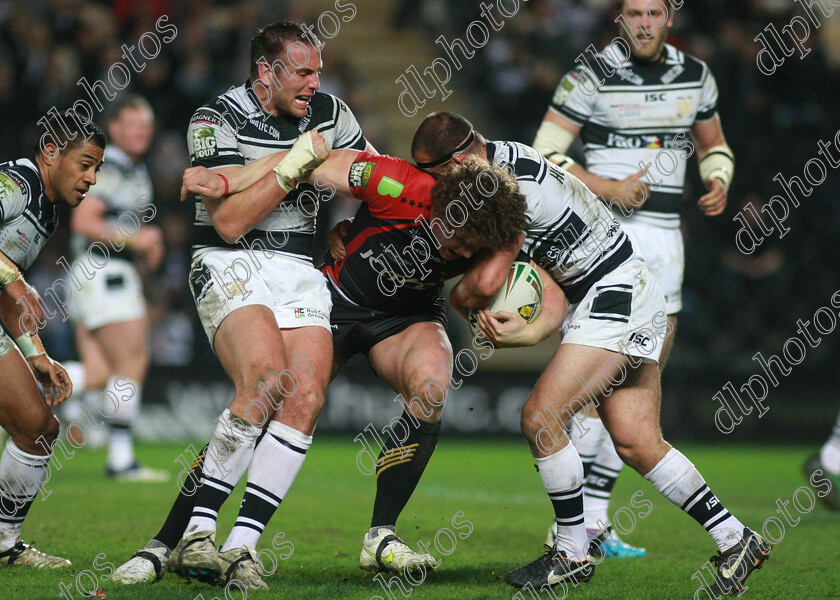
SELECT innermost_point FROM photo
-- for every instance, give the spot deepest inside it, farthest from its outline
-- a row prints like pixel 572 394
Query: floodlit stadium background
pixel 735 306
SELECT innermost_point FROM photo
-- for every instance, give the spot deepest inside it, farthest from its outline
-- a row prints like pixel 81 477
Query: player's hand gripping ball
pixel 522 293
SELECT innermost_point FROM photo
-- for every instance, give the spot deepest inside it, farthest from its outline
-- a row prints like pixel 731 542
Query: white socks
pixel 274 467
pixel 562 476
pixel 228 454
pixel 21 476
pixel 676 478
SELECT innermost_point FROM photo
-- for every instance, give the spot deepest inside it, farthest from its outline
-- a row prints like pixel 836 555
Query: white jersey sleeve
pixel 13 197
pixel 212 141
pixel 707 105
pixel 347 133
pixel 571 99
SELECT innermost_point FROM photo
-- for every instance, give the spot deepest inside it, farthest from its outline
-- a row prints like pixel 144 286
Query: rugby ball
pixel 521 293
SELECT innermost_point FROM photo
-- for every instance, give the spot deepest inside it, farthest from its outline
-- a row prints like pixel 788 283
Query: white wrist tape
pixel 552 138
pixel 298 163
pixel 9 273
pixel 718 162
pixel 30 345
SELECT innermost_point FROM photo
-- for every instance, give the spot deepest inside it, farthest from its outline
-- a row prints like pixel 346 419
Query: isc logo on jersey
pixel 522 293
pixel 204 142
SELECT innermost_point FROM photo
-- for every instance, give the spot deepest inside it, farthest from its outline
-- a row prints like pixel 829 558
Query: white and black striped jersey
pixel 641 113
pixel 233 130
pixel 126 190
pixel 571 233
pixel 27 217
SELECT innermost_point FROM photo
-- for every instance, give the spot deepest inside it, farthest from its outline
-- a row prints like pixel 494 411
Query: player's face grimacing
pixel 650 23
pixel 295 79
pixel 73 172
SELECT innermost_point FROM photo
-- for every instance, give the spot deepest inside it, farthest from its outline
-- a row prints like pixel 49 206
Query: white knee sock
pixel 228 454
pixel 676 478
pixel 21 476
pixel 274 467
pixel 562 476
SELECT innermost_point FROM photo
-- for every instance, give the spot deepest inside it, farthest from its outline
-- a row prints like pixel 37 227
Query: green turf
pixel 492 483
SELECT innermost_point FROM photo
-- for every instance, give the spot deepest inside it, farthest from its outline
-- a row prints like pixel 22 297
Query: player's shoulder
pixel 327 106
pixel 526 161
pixel 20 176
pixel 230 108
pixel 369 167
pixel 687 68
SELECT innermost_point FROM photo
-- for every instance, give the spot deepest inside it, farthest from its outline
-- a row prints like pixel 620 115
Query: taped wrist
pixel 719 162
pixel 297 164
pixel 9 273
pixel 30 345
pixel 552 138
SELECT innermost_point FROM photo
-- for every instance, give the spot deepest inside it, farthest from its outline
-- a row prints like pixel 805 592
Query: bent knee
pixel 425 396
pixel 36 432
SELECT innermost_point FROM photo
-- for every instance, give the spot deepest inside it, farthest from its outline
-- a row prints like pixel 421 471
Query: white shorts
pixel 664 255
pixel 623 312
pixel 225 280
pixel 113 295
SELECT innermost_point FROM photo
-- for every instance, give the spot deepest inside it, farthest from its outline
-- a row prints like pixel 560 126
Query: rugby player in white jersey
pixel 109 309
pixel 60 172
pixel 610 348
pixel 634 123
pixel 264 306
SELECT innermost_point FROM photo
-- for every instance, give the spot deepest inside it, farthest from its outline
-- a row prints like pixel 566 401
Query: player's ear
pixel 50 153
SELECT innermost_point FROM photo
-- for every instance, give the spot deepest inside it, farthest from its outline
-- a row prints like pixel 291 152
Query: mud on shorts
pixel 223 281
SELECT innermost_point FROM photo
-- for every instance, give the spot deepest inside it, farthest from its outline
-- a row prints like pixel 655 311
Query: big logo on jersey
pixel 204 142
pixel 7 186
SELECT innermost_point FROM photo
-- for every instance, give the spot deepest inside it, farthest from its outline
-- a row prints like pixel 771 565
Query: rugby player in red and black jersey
pixel 385 276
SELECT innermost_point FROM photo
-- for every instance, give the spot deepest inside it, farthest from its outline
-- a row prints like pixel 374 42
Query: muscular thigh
pixel 250 347
pixel 309 355
pixel 407 360
pixel 577 376
pixel 21 405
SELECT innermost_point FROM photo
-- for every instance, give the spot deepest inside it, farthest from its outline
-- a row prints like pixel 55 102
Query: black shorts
pixel 357 329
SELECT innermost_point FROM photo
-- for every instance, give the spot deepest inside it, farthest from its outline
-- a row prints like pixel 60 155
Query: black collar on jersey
pixel 446 157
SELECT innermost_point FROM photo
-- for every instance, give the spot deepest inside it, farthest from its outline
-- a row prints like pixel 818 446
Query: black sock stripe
pixel 264 491
pixel 248 525
pixel 599 468
pixel 288 444
pixel 688 500
pixel 219 482
pixel 569 522
pixel 717 522
pixel 566 494
pixel 596 493
pixel 10 519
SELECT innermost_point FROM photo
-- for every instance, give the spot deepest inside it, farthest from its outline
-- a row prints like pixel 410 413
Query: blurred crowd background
pixel 735 305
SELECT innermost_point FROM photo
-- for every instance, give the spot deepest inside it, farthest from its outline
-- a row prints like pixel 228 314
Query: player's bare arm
pixel 14 316
pixel 556 134
pixel 510 330
pixel 717 164
pixel 485 276
pixel 236 214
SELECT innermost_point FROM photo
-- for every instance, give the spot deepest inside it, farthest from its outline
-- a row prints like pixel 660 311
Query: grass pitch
pixel 492 483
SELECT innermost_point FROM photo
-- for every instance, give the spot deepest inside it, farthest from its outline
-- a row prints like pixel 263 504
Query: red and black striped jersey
pixel 392 262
